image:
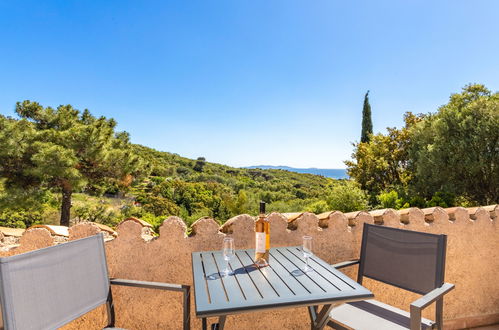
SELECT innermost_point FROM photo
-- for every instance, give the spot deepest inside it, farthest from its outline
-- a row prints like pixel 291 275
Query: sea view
pixel 334 173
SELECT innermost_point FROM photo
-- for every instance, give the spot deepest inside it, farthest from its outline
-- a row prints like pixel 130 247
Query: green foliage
pixel 317 207
pixel 347 197
pixel 66 150
pixel 367 123
pixel 20 219
pixel 200 162
pixel 155 221
pixel 96 213
pixel 222 192
pixel 382 163
pixel 417 201
pixel 435 157
pixel 25 207
pixel 160 206
pixel 388 199
pixel 442 199
pixel 456 150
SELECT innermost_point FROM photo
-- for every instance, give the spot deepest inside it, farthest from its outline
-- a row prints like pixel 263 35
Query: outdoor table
pixel 279 285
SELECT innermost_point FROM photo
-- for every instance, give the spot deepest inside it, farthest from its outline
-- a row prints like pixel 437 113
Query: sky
pixel 247 82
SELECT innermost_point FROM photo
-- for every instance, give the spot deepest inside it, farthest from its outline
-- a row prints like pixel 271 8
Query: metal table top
pixel 279 285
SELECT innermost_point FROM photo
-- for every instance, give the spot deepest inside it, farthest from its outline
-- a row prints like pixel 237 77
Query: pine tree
pixel 65 150
pixel 367 123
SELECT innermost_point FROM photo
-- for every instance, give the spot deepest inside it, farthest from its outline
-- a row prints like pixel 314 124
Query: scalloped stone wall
pixel 472 262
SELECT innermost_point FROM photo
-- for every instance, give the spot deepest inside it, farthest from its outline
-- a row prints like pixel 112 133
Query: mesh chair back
pixel 407 259
pixel 47 288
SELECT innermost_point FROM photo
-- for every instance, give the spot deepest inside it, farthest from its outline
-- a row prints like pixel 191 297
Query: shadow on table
pixel 239 271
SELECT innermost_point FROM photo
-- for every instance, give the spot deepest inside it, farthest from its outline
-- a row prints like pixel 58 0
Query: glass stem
pixel 227 271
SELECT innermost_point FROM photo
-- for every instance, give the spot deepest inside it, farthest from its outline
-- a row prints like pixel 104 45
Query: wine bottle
pixel 262 238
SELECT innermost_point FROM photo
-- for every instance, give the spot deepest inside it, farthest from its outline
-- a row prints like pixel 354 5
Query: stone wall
pixel 472 262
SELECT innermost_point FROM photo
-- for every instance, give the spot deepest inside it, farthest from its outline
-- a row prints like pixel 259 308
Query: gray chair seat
pixel 50 287
pixel 372 314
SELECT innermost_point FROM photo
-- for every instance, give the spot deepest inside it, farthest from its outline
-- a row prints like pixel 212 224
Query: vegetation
pixel 65 162
pixel 382 163
pixel 63 150
pixel 167 184
pixel 456 150
pixel 367 123
pixel 445 158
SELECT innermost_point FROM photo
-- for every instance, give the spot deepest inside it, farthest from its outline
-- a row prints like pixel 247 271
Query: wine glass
pixel 307 253
pixel 228 253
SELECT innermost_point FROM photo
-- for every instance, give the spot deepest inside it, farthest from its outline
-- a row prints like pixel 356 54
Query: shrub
pixel 390 199
pixel 20 219
pixel 347 197
pixel 441 199
pixel 317 207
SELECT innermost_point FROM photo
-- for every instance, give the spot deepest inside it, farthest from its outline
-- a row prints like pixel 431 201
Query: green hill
pixel 169 184
pixel 195 188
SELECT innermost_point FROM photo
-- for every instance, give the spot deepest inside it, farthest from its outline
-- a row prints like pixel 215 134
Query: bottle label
pixel 260 242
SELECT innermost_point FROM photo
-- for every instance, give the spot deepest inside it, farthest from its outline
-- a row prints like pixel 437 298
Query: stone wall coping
pixel 206 226
pixel 16 232
pixel 54 230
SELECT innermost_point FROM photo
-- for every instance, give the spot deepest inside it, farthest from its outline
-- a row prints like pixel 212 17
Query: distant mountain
pixel 335 173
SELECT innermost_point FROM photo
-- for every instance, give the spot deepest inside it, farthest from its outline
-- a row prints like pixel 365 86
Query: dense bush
pixel 347 197
pixel 20 219
pixel 436 159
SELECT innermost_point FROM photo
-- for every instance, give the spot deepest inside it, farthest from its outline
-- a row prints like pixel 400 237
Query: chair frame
pixel 417 306
pixel 111 318
pixel 185 289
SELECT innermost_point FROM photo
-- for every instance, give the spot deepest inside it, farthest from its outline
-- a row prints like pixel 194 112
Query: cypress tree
pixel 367 123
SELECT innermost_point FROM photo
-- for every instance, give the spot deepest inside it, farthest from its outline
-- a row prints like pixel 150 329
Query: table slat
pixel 291 281
pixel 278 283
pixel 336 273
pixel 324 272
pixel 256 275
pixel 231 285
pixel 313 275
pixel 215 286
pixel 245 281
pixel 202 298
pixel 307 283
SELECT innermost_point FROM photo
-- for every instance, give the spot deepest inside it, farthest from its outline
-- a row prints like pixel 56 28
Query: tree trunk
pixel 66 206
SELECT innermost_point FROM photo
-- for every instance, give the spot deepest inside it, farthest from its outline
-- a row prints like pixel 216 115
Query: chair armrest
pixel 432 296
pixel 185 289
pixel 150 285
pixel 343 264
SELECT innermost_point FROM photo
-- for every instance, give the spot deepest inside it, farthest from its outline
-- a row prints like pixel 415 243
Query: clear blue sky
pixel 246 82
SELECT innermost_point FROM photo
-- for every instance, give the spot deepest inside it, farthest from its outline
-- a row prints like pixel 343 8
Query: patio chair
pixel 406 259
pixel 48 288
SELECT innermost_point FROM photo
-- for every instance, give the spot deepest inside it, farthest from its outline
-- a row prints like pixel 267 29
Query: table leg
pixel 312 312
pixel 318 321
pixel 215 326
pixel 205 326
pixel 221 322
